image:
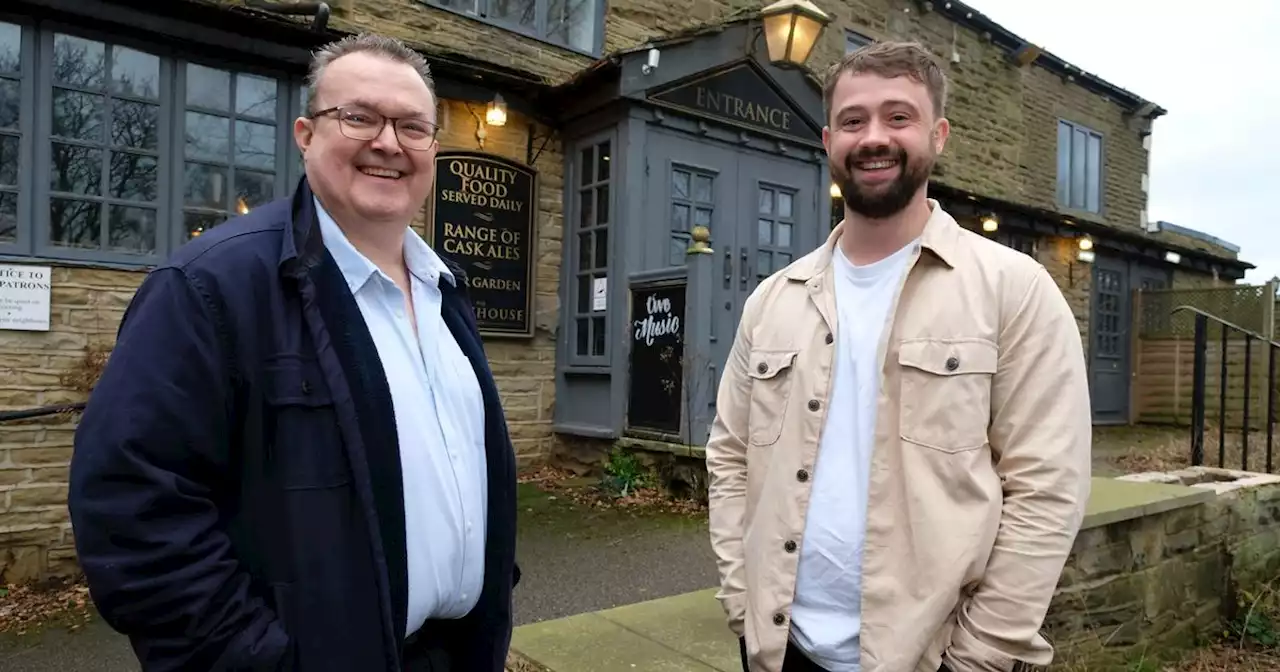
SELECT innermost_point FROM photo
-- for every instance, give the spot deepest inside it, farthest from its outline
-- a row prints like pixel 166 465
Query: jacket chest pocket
pixel 303 439
pixel 772 375
pixel 945 400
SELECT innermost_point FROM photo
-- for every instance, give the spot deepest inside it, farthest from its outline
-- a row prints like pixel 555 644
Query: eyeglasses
pixel 360 123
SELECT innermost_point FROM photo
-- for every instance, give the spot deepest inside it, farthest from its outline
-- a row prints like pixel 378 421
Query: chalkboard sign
pixel 484 215
pixel 657 356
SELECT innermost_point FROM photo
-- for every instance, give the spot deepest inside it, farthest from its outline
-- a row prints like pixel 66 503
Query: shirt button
pixel 952 363
pixel 829 338
pixel 762 367
pixel 802 475
pixel 779 619
pixel 790 546
pixel 814 405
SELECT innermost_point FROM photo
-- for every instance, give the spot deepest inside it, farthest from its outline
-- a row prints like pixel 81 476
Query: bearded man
pixel 899 462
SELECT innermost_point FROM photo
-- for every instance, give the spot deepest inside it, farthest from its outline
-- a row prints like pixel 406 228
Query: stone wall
pixel 1004 118
pixel 1154 575
pixel 35 535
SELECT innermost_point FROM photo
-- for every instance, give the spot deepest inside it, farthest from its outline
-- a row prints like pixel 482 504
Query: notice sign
pixel 484 216
pixel 24 297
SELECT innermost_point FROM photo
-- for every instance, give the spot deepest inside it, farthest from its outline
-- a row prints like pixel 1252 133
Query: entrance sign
pixel 740 95
pixel 484 218
pixel 25 293
pixel 656 387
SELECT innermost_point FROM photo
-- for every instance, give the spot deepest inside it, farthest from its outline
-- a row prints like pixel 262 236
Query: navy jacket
pixel 236 492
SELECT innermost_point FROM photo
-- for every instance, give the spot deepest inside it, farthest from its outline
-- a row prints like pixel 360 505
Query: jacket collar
pixel 302 245
pixel 941 236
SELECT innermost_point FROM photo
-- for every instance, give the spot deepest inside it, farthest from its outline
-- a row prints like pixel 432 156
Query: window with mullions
pixel 692 204
pixel 1079 167
pixel 118 152
pixel 229 144
pixel 774 225
pixel 12 118
pixel 103 145
pixel 591 262
pixel 575 24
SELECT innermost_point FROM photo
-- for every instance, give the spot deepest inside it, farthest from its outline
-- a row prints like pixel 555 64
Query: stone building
pixel 582 142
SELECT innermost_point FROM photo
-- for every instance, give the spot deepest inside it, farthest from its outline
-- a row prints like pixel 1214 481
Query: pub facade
pixel 616 177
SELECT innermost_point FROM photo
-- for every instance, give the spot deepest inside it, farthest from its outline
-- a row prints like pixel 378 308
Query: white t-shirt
pixel 825 613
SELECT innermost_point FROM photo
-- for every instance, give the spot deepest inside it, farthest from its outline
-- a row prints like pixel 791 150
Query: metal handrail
pixel 40 412
pixel 1232 325
pixel 1200 367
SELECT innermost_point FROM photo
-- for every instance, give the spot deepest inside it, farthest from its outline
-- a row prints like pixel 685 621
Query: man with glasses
pixel 296 458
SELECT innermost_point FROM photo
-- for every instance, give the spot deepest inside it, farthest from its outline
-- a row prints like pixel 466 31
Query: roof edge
pixel 1087 226
pixel 967 16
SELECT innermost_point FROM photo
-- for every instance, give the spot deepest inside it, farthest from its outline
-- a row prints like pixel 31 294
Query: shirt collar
pixel 941 236
pixel 422 261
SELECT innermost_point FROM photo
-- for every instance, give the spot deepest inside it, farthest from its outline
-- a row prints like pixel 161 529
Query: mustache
pixel 874 153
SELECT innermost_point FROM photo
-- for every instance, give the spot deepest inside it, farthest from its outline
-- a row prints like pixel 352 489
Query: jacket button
pixel 802 475
pixel 952 363
pixel 779 619
pixel 790 546
pixel 762 367
pixel 814 405
pixel 829 338
pixel 306 387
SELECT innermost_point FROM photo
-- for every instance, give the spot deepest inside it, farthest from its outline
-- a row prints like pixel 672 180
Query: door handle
pixel 728 268
pixel 743 270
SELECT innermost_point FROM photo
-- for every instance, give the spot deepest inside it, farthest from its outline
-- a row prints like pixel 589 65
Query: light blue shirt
pixel 439 420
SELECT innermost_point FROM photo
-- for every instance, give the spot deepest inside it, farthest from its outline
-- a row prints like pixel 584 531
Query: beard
pixel 883 200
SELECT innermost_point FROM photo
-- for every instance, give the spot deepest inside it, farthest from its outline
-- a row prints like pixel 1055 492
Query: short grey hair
pixel 371 43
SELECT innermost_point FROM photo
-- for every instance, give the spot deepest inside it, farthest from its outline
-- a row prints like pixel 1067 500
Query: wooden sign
pixel 484 219
pixel 656 385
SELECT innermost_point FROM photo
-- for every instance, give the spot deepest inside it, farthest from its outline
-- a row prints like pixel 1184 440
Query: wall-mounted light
pixel 242 206
pixel 1086 243
pixel 990 223
pixel 791 28
pixel 1172 257
pixel 1085 256
pixel 835 190
pixel 496 113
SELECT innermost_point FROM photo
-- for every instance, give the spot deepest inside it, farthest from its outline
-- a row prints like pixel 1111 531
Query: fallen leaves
pixel 26 607
pixel 1223 658
pixel 568 485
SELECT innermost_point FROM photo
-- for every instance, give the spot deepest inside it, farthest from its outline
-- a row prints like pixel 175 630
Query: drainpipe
pixel 320 10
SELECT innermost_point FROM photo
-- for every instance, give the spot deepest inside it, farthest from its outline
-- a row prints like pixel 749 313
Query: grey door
pixel 1109 361
pixel 762 213
pixel 691 183
pixel 780 219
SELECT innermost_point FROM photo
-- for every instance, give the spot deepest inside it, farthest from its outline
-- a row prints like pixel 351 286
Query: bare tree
pixel 124 135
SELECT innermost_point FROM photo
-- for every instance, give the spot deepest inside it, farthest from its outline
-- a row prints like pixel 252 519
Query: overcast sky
pixel 1216 68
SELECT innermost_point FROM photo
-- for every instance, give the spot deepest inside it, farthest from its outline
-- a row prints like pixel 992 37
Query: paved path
pixel 572 561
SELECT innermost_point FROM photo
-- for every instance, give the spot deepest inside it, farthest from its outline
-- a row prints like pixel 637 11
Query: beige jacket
pixel 981 466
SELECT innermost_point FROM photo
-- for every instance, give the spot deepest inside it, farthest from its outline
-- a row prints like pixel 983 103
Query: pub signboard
pixel 484 218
